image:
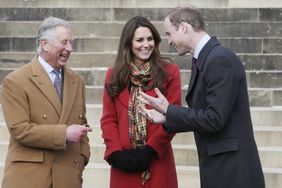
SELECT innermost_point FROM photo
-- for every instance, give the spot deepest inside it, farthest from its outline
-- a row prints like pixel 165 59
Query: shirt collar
pixel 48 68
pixel 201 44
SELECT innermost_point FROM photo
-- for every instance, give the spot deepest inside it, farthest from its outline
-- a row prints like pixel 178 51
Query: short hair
pixel 188 14
pixel 47 27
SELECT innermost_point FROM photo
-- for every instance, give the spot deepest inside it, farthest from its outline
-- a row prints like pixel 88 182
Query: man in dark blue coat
pixel 218 109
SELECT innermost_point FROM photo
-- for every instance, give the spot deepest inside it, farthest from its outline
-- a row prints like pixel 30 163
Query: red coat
pixel 114 124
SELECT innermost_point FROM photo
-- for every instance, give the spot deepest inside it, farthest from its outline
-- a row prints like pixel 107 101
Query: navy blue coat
pixel 219 115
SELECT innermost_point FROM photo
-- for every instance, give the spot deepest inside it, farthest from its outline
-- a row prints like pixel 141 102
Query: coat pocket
pixel 223 146
pixel 27 156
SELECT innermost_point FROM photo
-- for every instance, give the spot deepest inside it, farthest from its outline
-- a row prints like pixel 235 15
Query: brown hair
pixel 188 14
pixel 121 69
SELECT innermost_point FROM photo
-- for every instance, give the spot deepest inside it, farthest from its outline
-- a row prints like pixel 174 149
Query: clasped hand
pixel 132 160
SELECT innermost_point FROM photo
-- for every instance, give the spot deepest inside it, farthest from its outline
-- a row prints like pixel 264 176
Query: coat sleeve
pixel 159 139
pixel 15 104
pixel 109 122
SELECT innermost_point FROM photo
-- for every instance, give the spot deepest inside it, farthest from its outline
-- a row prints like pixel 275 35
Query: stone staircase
pixel 252 29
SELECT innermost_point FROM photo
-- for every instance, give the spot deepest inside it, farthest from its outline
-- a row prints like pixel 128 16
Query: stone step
pixel 88 29
pixel 264 86
pixel 261 116
pixel 256 45
pixel 137 3
pixel 266 136
pixel 184 154
pixel 106 59
pixel 188 176
pixel 263 79
pixel 264 116
pixel 258 97
pixel 97 175
pixel 121 14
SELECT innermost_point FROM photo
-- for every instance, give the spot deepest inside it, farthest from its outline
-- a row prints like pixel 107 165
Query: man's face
pixel 175 37
pixel 59 48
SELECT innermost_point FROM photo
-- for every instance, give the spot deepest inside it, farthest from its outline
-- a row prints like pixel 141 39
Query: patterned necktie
pixel 58 83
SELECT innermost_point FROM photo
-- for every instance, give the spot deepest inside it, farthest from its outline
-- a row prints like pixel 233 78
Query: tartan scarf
pixel 139 79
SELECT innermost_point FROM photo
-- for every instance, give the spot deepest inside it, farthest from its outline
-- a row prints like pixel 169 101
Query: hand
pixel 153 116
pixel 160 104
pixel 144 157
pixel 76 132
pixel 133 160
pixel 123 161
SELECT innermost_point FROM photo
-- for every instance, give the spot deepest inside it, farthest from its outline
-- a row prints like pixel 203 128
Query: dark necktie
pixel 193 77
pixel 194 61
pixel 58 83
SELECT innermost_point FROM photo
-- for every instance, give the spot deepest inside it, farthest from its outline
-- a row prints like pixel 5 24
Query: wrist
pixel 164 112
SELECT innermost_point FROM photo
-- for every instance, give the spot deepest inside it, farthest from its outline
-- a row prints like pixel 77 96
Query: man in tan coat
pixel 48 129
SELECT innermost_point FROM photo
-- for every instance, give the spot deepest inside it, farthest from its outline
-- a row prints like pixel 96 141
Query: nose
pixel 145 43
pixel 69 47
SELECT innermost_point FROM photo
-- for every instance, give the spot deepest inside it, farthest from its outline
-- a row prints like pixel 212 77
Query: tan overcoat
pixel 37 155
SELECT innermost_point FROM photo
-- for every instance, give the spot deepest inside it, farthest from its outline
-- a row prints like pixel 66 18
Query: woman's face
pixel 143 44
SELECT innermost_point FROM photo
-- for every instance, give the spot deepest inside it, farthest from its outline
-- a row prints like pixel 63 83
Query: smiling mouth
pixel 64 57
pixel 146 52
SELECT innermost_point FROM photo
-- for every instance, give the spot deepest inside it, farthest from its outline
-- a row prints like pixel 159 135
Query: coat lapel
pixel 41 79
pixel 123 97
pixel 69 93
pixel 192 78
pixel 200 63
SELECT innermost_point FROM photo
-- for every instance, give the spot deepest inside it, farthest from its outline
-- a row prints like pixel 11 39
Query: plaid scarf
pixel 139 79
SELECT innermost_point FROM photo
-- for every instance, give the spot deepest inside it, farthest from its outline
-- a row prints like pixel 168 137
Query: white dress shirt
pixel 49 69
pixel 201 44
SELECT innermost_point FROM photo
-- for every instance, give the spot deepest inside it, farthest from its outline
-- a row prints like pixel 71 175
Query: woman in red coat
pixel 139 153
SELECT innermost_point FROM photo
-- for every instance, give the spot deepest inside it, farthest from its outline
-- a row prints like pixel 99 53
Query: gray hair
pixel 46 29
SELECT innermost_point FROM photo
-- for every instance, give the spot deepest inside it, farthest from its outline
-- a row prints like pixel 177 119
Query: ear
pixel 44 44
pixel 187 28
pixel 184 27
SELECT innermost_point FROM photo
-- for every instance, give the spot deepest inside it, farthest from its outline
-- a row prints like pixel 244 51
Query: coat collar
pixel 201 60
pixel 205 51
pixel 41 79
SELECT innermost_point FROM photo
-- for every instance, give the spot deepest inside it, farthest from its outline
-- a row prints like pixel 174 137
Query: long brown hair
pixel 121 69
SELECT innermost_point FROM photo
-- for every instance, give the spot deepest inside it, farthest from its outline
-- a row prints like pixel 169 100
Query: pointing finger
pixel 160 95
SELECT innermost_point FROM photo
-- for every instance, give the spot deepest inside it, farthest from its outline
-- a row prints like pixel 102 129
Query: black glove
pixel 123 161
pixel 145 157
pixel 142 157
pixel 133 160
